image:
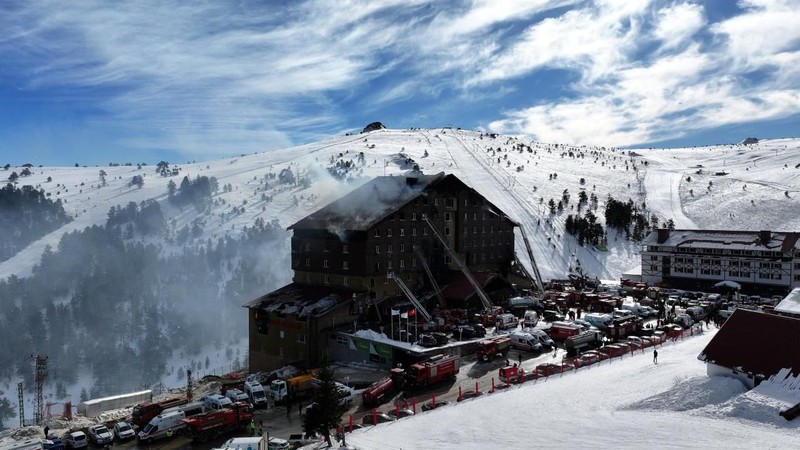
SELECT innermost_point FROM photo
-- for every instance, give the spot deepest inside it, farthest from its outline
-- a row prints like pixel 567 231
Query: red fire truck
pixel 489 348
pixel 210 425
pixel 144 412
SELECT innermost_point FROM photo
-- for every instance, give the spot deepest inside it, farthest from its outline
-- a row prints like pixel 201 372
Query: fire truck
pixel 437 368
pixel 511 374
pixel 210 425
pixel 431 371
pixel 144 412
pixel 489 348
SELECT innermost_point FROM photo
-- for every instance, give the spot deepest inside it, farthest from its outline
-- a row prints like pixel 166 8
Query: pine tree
pixel 325 412
pixel 6 411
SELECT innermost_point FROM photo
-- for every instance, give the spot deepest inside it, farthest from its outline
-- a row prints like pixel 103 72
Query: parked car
pixel 77 439
pixel 441 338
pixel 429 406
pixel 582 324
pixel 123 431
pixel 237 395
pixel 100 434
pixel 300 439
pixel 426 340
pixel 52 442
pixel 550 315
pixel 465 332
pixel 380 417
pixel 400 413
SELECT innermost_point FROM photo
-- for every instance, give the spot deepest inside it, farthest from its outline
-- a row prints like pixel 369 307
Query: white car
pixel 100 434
pixel 123 431
pixel 77 439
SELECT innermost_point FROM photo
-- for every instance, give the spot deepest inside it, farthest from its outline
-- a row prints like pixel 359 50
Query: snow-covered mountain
pixel 736 186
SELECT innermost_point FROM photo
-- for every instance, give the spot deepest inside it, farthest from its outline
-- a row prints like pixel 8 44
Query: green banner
pixel 360 345
pixel 383 350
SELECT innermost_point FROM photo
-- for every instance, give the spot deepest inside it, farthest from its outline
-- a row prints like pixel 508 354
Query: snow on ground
pixel 628 403
pixel 760 190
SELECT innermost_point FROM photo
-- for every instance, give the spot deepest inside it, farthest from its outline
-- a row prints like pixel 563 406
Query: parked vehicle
pixel 237 395
pixel 582 324
pixel 550 315
pixel 256 392
pixel 77 439
pixel 525 341
pixel 510 374
pixel 586 339
pixel 213 402
pixel 379 417
pixel 256 443
pixel 303 439
pixel 431 405
pixel 683 320
pixel 162 425
pixel 426 340
pixel 697 313
pixel 438 368
pixel 465 332
pixel 441 338
pixel 506 321
pixel 52 443
pixel 100 434
pixel 204 427
pixel 561 330
pixel 144 412
pixel 621 328
pixel 493 346
pixel 530 318
pixel 123 431
pixel 381 390
pixel 296 386
pixel 400 413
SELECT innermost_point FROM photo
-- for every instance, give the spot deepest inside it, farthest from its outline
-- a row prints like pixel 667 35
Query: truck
pixel 511 374
pixel 144 412
pixel 203 427
pixel 438 368
pixel 489 348
pixel 586 339
pixel 296 386
pixel 256 392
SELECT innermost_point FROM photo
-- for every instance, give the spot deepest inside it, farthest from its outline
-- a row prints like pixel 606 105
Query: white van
pixel 506 321
pixel 256 392
pixel 237 395
pixel 530 319
pixel 214 402
pixel 255 443
pixel 525 341
pixel 162 425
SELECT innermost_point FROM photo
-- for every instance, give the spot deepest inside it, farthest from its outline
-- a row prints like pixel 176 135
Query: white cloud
pixel 676 24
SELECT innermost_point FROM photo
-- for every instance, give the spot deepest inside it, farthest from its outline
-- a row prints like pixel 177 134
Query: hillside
pixel 120 293
pixel 758 192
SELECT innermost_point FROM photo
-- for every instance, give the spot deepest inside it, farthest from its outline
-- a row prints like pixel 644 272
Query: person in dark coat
pixel 655 356
pixel 519 357
pixel 46 431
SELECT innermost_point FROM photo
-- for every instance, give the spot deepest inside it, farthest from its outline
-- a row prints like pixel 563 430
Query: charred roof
pixel 304 301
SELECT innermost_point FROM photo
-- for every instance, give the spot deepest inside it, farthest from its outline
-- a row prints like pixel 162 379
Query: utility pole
pixel 21 405
pixel 41 374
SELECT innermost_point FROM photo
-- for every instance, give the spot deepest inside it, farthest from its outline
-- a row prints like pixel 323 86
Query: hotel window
pixel 389 248
pixel 345 248
pixel 301 337
pixel 377 249
pixel 450 202
pixel 447 217
pixel 308 262
pixel 448 259
pixel 389 265
pixel 402 248
pixel 327 279
pixel 447 231
pixel 325 247
pixel 413 216
pixel 402 232
pixel 324 263
pixel 413 232
pixel 308 246
pixel 346 281
pixel 436 202
pixel 377 233
pixel 345 265
pixel 389 232
pixel 402 263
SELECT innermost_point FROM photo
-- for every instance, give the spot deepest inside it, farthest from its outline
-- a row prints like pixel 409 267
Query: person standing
pixel 519 357
pixel 655 356
pixel 46 431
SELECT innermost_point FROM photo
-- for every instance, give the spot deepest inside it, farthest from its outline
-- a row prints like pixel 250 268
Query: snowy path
pixel 663 196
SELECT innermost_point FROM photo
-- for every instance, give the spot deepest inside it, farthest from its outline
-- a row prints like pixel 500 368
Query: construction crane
pixel 442 303
pixel 410 296
pixel 482 295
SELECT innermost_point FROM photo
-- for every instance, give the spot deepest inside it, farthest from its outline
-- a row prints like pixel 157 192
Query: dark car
pixel 430 406
pixel 550 315
pixel 426 340
pixel 465 332
pixel 441 338
pixel 480 330
pixel 380 417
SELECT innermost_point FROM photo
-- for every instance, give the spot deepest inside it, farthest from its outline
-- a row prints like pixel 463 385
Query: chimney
pixel 663 235
pixel 764 236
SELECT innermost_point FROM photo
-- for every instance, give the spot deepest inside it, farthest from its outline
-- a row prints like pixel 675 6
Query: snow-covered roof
pixel 726 239
pixel 790 304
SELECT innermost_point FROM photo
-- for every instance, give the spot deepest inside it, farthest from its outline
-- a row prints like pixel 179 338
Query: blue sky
pixel 139 81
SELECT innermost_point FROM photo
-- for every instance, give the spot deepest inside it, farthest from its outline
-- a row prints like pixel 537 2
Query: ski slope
pixel 759 191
